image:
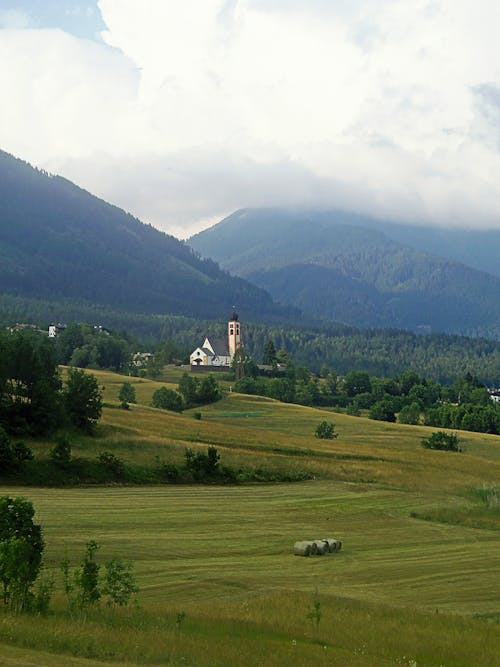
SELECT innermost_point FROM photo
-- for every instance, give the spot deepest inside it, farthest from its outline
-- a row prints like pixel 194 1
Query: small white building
pixel 495 395
pixel 56 329
pixel 218 352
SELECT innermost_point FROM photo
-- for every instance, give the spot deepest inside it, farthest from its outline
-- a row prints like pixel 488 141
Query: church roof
pixel 219 346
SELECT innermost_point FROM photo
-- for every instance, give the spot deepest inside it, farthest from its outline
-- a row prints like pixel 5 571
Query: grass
pixel 403 591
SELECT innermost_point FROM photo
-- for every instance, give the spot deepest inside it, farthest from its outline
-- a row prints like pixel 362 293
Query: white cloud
pixel 196 108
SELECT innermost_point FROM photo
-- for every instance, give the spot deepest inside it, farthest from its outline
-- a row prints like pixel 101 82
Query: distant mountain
pixel 345 267
pixel 57 241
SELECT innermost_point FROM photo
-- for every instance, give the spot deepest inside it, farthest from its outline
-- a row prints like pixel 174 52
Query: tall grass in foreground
pixel 269 630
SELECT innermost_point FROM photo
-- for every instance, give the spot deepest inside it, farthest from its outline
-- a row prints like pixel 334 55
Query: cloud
pixel 190 110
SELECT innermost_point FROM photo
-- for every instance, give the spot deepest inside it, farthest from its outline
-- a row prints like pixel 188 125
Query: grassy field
pixel 416 584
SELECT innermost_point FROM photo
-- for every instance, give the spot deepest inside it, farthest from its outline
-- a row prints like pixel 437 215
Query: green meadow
pixel 417 582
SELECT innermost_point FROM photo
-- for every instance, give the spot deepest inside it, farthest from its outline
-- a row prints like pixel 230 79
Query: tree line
pixel 34 400
pixel 379 352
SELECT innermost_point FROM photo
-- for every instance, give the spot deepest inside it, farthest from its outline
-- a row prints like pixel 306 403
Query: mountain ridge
pixel 401 285
pixel 59 241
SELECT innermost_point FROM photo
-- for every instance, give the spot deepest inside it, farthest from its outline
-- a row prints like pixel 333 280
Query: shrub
pixel 326 431
pixel 119 582
pixel 383 411
pixel 443 441
pixel 12 456
pixel 87 578
pixel 112 463
pixel 168 399
pixel 203 465
pixel 127 393
pixel 60 454
pixel 410 414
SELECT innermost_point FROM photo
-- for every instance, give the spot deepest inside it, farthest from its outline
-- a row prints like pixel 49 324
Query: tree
pixel 188 387
pixel 443 441
pixel 21 549
pixel 60 454
pixel 12 456
pixel 168 399
pixel 326 431
pixel 127 393
pixel 270 357
pixel 203 465
pixel 87 578
pixel 119 582
pixel 243 365
pixel 357 382
pixel 29 384
pixel 410 414
pixel 209 390
pixel 383 411
pixel 82 399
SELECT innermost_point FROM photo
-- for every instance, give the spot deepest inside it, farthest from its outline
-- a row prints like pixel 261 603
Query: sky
pixel 182 111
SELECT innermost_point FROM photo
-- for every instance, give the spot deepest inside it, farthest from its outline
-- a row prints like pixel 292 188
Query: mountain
pixel 345 267
pixel 57 242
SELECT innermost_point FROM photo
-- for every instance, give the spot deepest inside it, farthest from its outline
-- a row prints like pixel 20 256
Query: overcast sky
pixel 182 111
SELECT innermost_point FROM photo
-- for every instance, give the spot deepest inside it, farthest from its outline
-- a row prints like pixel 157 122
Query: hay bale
pixel 333 544
pixel 321 547
pixel 302 548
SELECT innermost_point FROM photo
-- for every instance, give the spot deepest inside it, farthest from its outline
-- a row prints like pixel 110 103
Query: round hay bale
pixel 321 547
pixel 302 548
pixel 332 544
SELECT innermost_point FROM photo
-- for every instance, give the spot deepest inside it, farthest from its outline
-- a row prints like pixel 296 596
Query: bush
pixel 410 414
pixel 326 431
pixel 168 399
pixel 60 454
pixel 12 456
pixel 203 465
pixel 119 582
pixel 127 393
pixel 112 463
pixel 443 441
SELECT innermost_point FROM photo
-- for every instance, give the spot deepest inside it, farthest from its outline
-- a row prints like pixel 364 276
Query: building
pixel 56 329
pixel 495 395
pixel 218 353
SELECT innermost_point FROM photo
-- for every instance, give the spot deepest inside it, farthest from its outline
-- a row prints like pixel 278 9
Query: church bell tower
pixel 233 334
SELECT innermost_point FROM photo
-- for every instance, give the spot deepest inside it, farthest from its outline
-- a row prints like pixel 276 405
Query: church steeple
pixel 233 333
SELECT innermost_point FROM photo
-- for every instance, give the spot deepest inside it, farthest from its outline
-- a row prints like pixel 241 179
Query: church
pixel 218 353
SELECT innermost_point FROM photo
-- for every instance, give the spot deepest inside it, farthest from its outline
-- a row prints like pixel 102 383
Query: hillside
pixel 58 241
pixel 336 266
pixel 415 583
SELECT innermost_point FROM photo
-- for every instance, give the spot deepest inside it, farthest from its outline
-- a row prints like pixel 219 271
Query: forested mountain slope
pixel 58 241
pixel 332 267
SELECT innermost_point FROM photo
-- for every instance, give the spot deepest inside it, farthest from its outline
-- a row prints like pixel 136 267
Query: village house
pixel 218 353
pixel 495 395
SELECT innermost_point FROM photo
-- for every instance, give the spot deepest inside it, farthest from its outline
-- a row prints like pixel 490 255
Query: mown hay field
pixel 417 581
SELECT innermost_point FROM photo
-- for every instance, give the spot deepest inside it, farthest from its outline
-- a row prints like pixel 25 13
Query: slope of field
pixel 416 583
